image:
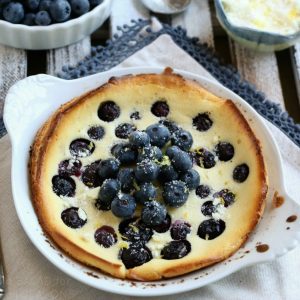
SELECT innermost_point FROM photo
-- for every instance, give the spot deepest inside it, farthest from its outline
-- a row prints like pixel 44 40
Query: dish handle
pixel 25 102
pixel 284 219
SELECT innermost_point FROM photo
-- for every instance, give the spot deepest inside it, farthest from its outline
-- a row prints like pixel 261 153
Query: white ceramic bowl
pixel 55 35
pixel 255 39
pixel 31 101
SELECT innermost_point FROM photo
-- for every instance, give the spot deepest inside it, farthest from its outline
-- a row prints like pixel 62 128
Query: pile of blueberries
pixel 173 170
pixel 44 12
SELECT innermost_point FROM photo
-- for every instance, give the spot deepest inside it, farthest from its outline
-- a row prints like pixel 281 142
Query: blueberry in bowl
pixel 55 11
pixel 47 24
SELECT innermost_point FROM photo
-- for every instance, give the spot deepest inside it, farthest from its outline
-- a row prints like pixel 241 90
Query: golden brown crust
pixel 47 134
pixel 87 258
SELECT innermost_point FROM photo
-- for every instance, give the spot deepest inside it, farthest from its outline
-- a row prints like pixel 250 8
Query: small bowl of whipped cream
pixel 261 25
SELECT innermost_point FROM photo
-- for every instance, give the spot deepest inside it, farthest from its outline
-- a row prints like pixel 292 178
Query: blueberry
pixel 171 151
pixel 13 12
pixel 191 178
pixel 108 191
pixel 124 153
pixel 133 230
pixel 108 168
pixel 124 130
pixel 211 229
pixel 63 186
pixel 153 213
pixel 123 206
pixel 208 208
pixel 32 4
pixel 202 122
pixel 226 195
pixel 135 116
pixel 179 230
pixel 80 7
pixel 205 159
pixel 108 111
pixel 45 5
pixel 159 134
pixel 160 109
pixel 147 192
pixel 90 176
pixel 94 3
pixel 183 139
pixel 146 171
pixel 103 205
pixel 203 191
pixel 82 148
pixel 240 173
pixel 70 167
pixel 139 139
pixel 96 132
pixel 29 19
pixel 176 250
pixel 224 151
pixel 175 193
pixel 167 173
pixel 60 10
pixel 105 236
pixel 170 125
pixel 74 217
pixel 136 255
pixel 150 153
pixel 126 179
pixel 42 18
pixel 181 161
pixel 164 226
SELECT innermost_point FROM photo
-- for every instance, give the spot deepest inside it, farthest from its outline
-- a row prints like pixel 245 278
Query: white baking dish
pixel 31 101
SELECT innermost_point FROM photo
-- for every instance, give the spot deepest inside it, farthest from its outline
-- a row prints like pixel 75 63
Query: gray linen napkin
pixel 30 276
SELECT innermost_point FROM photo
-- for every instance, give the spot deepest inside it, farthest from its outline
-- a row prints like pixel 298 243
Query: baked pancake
pixel 148 177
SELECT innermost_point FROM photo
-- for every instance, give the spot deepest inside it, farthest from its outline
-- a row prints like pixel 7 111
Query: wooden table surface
pixel 275 74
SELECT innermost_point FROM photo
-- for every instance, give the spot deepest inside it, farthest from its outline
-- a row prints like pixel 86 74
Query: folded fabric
pixel 31 276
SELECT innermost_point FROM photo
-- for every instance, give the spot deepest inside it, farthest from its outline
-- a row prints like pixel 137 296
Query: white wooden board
pixel 69 55
pixel 196 19
pixel 13 67
pixel 260 69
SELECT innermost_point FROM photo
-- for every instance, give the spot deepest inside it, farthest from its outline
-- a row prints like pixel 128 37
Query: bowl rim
pixel 219 4
pixel 55 26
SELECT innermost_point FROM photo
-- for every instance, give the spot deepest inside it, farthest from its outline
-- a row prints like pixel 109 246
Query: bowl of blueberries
pixel 48 24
